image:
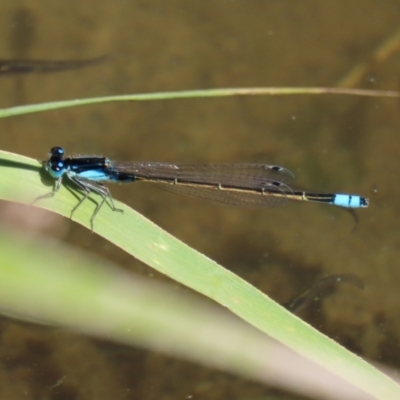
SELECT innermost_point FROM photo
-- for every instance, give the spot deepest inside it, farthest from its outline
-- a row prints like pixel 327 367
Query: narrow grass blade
pixel 261 91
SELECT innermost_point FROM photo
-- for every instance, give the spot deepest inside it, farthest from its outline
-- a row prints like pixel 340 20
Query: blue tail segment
pixel 350 201
pixel 337 199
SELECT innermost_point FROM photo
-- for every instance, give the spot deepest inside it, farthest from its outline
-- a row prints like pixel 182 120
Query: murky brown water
pixel 331 143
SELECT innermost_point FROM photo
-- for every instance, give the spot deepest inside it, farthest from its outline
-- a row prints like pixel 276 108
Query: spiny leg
pixel 104 192
pixel 84 186
pixel 108 196
pixel 96 187
pixel 50 194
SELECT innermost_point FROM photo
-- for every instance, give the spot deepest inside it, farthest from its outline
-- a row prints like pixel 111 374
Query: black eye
pixel 57 166
pixel 57 152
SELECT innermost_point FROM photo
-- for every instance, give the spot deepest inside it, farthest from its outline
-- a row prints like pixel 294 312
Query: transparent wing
pixel 246 176
pixel 233 184
pixel 273 196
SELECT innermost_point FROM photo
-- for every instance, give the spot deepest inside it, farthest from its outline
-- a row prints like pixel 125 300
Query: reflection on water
pixel 332 144
pixel 12 67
